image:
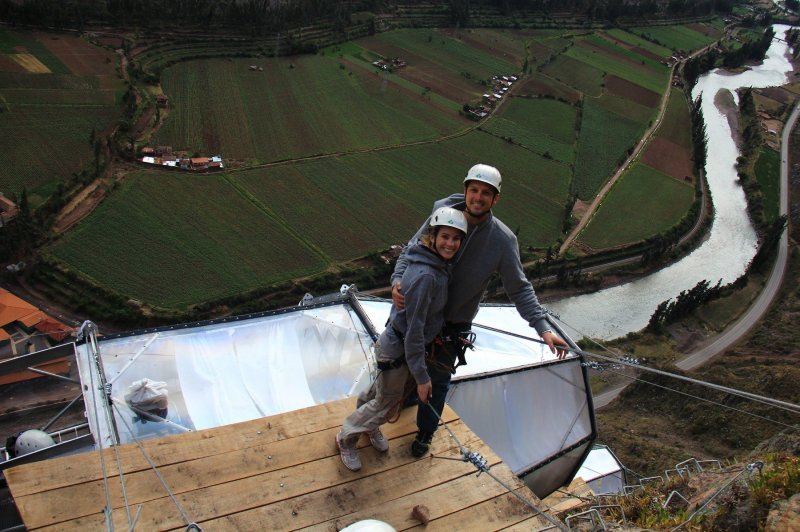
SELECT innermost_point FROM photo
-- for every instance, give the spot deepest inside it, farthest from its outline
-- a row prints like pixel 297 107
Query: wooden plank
pixel 381 490
pixel 494 514
pixel 212 443
pixel 236 483
pixel 441 500
pixel 143 486
pixel 573 496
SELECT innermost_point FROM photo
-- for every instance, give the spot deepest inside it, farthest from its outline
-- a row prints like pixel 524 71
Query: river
pixel 732 242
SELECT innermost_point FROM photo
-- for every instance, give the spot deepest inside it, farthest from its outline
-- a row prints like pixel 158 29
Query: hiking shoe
pixel 378 440
pixel 421 444
pixel 349 455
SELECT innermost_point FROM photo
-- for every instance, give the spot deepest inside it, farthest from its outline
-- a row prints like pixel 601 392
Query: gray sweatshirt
pixel 425 282
pixel 489 247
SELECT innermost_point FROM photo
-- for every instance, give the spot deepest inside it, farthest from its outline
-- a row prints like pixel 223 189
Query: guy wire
pixel 754 397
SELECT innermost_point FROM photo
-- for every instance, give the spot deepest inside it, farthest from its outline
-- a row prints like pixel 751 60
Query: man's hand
pixel 552 341
pixel 397 297
pixel 424 391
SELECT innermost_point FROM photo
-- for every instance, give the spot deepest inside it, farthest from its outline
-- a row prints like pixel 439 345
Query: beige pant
pixel 375 403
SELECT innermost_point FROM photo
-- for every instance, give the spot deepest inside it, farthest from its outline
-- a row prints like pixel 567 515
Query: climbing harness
pixel 460 340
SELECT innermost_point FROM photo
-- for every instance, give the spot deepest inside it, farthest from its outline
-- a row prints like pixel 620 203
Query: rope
pixel 482 466
pixel 190 525
pixel 739 393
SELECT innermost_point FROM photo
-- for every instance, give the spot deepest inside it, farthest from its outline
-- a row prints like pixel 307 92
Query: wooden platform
pixel 277 473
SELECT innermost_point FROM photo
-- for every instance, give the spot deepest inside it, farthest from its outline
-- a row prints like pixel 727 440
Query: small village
pixel 499 87
pixel 164 156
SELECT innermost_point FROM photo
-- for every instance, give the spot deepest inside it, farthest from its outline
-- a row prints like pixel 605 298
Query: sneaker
pixel 378 440
pixel 421 444
pixel 349 455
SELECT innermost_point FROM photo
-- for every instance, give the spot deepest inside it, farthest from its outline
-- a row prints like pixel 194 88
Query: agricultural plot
pixel 638 43
pixel 627 108
pixel 767 170
pixel 631 92
pixel 677 123
pixel 78 56
pixel 444 66
pixel 14 43
pixel 499 43
pixel 48 118
pixel 362 188
pixel 674 37
pixel 641 190
pixel 577 74
pixel 654 79
pixel 450 54
pixel 538 85
pixel 621 50
pixel 546 127
pixel 305 211
pixel 670 151
pixel 295 107
pixel 212 243
pixel 603 143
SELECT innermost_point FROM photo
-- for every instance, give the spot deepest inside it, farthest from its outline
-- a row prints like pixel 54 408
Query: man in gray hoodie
pixel 489 247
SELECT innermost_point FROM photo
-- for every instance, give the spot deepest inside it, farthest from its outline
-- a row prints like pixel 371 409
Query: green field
pixel 768 173
pixel 635 40
pixel 46 120
pixel 232 233
pixel 214 242
pixel 449 54
pixel 632 110
pixel 674 37
pixel 295 107
pixel 577 74
pixel 541 125
pixel 647 76
pixel 654 200
pixel 677 123
pixel 604 139
pixel 350 159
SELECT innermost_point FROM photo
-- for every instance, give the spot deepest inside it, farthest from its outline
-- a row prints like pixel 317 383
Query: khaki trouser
pixel 375 403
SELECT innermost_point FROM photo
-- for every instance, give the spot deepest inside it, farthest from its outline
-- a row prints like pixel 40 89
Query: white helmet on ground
pixel 449 217
pixel 487 174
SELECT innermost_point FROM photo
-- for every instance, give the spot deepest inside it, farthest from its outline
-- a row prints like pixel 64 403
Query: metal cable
pixel 481 465
pixel 89 332
pixel 715 403
pixel 189 523
pixel 747 395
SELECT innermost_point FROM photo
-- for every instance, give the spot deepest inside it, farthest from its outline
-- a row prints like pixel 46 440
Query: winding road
pixel 730 336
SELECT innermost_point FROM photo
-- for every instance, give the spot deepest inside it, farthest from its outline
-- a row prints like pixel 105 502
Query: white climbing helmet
pixel 487 174
pixel 449 217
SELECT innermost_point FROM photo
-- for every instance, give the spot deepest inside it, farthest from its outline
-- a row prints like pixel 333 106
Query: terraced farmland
pixel 48 111
pixel 347 159
pixel 295 107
